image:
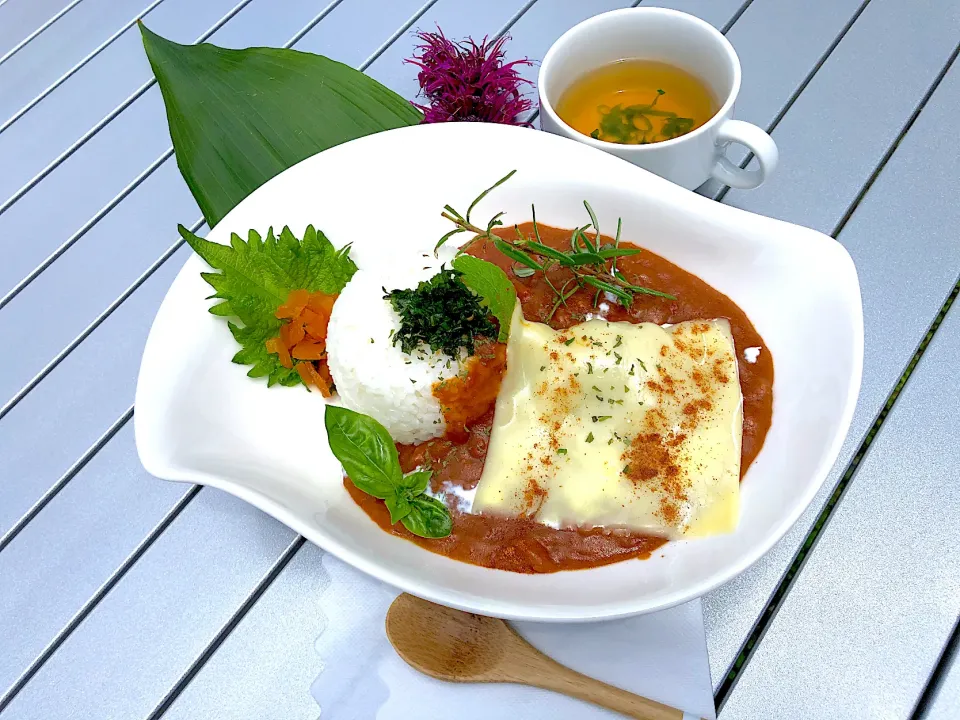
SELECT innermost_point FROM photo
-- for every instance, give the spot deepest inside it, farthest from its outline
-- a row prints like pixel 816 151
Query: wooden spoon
pixel 462 647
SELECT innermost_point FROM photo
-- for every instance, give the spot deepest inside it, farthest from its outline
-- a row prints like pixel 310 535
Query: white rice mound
pixel 374 376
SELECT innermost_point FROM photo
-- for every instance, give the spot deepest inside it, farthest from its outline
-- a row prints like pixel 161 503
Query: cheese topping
pixel 624 425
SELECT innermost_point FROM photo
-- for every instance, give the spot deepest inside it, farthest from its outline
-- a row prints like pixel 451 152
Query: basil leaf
pixel 428 518
pixel 416 482
pixel 239 117
pixel 365 449
pixel 493 286
pixel 399 506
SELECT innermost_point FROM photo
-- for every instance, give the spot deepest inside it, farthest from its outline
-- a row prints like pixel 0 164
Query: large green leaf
pixel 239 117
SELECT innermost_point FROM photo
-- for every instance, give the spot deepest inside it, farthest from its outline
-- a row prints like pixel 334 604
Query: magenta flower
pixel 467 82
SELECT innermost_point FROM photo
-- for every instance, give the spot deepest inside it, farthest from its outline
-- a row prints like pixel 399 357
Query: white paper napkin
pixel 662 656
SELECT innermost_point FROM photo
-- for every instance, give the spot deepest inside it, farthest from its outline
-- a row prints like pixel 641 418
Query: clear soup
pixel 636 102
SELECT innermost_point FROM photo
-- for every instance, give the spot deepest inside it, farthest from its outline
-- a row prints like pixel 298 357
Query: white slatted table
pixel 125 597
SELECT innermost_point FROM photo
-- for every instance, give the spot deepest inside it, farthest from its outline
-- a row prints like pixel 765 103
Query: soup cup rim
pixel 546 104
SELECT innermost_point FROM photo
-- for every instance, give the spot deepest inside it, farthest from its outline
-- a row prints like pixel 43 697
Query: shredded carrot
pixel 310 376
pixel 275 345
pixel 322 304
pixel 302 343
pixel 292 333
pixel 309 351
pixel 296 302
pixel 324 371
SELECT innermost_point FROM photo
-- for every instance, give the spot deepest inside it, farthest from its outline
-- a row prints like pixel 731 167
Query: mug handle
pixel 757 141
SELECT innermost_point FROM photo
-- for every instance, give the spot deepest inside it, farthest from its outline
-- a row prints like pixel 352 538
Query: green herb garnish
pixel 441 313
pixel 370 459
pixel 561 451
pixel 590 437
pixel 601 418
pixel 463 223
pixel 634 124
pixel 589 264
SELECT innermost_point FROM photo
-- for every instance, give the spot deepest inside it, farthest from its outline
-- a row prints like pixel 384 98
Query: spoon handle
pixel 562 679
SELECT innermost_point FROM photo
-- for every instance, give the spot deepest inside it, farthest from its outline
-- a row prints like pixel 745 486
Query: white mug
pixel 681 40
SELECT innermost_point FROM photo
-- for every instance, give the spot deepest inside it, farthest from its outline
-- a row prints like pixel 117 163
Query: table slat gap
pixel 109 117
pixel 931 692
pixel 396 35
pixel 97 322
pixel 769 612
pixel 83 230
pixel 95 599
pixel 896 143
pixel 71 472
pixel 36 33
pixel 722 193
pixel 228 627
pixel 516 16
pixel 310 25
pixel 67 75
pixel 733 20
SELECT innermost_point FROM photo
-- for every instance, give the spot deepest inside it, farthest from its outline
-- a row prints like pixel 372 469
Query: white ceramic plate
pixel 200 419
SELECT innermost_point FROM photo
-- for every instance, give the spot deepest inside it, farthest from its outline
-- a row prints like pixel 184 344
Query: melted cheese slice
pixel 618 425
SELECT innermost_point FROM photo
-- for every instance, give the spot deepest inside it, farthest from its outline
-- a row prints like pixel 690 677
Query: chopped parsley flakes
pixel 441 313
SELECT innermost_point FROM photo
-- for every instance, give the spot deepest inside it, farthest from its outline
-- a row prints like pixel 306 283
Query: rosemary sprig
pixel 463 223
pixel 590 263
